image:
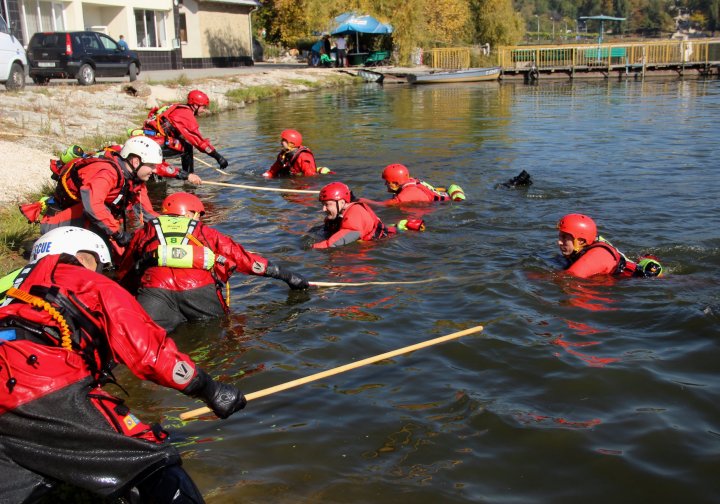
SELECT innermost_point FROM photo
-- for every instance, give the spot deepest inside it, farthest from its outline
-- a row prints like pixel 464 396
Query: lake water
pixel 576 390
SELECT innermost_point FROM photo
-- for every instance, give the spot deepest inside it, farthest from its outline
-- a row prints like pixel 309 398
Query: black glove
pixel 122 238
pixel 294 280
pixel 222 162
pixel 222 398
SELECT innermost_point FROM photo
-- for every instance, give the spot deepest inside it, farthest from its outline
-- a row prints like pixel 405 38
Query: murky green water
pixel 576 391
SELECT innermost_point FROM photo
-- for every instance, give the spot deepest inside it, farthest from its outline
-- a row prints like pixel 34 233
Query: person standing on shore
pixel 341 46
pixel 122 44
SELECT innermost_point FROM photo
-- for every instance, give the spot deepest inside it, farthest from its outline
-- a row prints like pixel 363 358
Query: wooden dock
pixel 696 57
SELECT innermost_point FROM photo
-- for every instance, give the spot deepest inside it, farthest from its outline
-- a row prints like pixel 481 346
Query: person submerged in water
pixel 588 254
pixel 348 219
pixel 406 189
pixel 523 179
pixel 294 158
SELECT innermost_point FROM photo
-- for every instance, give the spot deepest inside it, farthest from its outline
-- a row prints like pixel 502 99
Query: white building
pixel 166 34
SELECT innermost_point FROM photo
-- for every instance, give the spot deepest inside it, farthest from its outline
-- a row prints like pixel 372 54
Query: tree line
pixel 446 23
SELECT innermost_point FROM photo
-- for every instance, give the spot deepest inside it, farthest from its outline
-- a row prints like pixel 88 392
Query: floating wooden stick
pixel 341 369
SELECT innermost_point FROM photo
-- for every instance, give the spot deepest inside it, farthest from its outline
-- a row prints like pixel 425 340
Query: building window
pixel 42 16
pixel 150 27
pixel 183 29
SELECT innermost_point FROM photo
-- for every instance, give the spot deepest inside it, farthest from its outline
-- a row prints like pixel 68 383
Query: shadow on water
pixel 576 388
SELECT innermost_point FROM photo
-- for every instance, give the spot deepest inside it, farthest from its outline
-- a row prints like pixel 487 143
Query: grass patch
pixel 92 143
pixel 179 81
pixel 255 93
pixel 16 235
pixel 305 82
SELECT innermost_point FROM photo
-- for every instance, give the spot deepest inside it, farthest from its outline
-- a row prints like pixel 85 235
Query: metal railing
pixel 448 58
pixel 657 53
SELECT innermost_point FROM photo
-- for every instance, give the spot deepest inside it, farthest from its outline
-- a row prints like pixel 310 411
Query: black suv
pixel 81 55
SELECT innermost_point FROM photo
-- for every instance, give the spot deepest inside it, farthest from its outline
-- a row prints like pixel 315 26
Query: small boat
pixel 469 75
pixel 370 76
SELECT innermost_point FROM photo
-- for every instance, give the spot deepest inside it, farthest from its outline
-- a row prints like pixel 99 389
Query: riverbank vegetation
pixel 425 24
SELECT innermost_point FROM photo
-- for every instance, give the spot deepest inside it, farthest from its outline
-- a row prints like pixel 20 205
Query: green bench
pixel 377 58
pixel 604 52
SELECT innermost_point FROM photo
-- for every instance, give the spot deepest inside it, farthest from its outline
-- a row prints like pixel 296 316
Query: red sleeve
pixel 246 262
pixel 306 163
pixel 274 170
pixel 134 338
pixel 185 122
pixel 99 179
pixel 596 261
pixel 132 252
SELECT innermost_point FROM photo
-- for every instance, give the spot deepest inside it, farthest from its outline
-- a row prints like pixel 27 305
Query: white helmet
pixel 143 147
pixel 70 240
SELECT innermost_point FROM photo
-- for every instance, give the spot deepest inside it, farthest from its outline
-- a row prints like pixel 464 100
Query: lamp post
pixel 538 27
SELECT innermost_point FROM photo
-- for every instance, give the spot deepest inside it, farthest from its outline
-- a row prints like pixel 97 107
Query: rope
pixel 44 305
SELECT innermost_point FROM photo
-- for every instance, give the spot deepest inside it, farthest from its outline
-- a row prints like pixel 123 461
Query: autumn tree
pixel 447 22
pixel 496 22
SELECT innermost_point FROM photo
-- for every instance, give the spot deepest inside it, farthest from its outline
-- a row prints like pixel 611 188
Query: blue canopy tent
pixel 602 18
pixel 350 22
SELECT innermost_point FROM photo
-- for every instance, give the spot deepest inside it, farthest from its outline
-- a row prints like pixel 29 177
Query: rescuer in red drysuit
pixel 63 328
pixel 294 159
pixel 348 220
pixel 409 190
pixel 99 192
pixel 180 265
pixel 175 128
pixel 588 254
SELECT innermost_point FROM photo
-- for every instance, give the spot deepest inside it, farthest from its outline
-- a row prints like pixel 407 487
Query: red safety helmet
pixel 396 174
pixel 335 191
pixel 180 203
pixel 292 136
pixel 199 98
pixel 578 226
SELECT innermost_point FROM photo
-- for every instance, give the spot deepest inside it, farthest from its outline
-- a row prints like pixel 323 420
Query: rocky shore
pixel 35 124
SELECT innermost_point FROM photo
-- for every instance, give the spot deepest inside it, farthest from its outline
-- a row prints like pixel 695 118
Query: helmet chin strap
pixel 577 247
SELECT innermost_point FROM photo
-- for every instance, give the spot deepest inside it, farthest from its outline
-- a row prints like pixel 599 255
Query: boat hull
pixel 470 75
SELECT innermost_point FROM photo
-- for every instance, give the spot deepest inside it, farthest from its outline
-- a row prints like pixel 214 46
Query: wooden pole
pixel 211 166
pixel 341 369
pixel 255 188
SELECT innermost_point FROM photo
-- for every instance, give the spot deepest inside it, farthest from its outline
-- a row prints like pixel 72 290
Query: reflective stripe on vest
pixel 175 251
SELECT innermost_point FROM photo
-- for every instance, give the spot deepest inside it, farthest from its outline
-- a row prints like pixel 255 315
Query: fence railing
pixel 448 58
pixel 666 52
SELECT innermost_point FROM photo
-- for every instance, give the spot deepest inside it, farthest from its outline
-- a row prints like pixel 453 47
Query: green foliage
pixel 497 23
pixel 447 22
pixel 16 234
pixel 432 23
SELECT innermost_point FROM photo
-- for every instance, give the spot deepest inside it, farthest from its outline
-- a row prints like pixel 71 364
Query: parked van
pixel 13 60
pixel 81 55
